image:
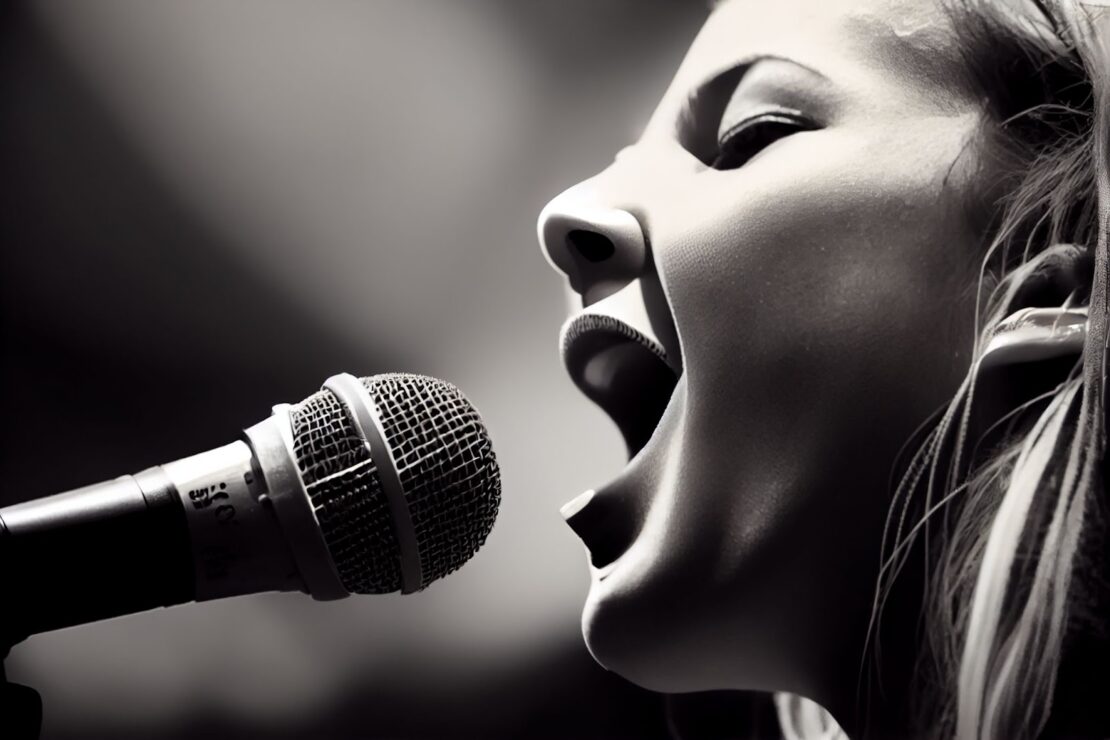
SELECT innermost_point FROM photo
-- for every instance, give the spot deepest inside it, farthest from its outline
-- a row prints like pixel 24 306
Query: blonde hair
pixel 1003 519
pixel 1005 522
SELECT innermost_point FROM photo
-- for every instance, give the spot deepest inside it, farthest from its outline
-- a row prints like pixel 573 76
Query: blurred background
pixel 209 207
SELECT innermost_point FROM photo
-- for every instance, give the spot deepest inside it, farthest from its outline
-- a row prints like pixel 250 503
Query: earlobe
pixel 1033 334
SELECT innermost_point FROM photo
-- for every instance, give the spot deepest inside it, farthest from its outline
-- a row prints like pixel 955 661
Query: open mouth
pixel 622 370
pixel 622 365
pixel 628 375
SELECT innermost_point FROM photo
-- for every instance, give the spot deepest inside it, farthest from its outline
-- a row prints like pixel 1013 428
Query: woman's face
pixel 812 281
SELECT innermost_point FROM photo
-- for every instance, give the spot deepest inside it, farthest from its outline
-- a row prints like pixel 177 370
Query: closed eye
pixel 744 140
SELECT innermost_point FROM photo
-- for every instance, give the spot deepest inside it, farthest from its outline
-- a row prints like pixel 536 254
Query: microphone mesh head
pixel 445 462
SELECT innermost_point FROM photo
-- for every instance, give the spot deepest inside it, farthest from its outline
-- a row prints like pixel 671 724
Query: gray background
pixel 209 207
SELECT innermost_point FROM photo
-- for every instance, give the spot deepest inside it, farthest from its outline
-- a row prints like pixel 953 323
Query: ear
pixel 1032 334
pixel 1043 321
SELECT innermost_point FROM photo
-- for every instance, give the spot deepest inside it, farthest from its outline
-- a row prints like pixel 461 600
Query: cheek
pixel 822 318
pixel 807 281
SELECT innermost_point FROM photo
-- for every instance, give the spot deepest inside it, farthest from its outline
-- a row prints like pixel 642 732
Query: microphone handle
pixel 92 553
pixel 196 529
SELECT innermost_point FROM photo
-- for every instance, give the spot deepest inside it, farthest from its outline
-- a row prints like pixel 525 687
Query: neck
pixel 875 700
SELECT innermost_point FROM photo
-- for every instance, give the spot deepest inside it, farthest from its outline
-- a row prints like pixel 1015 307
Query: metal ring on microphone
pixel 271 440
pixel 366 419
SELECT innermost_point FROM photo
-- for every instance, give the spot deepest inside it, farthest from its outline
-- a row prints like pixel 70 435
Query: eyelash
pixel 743 141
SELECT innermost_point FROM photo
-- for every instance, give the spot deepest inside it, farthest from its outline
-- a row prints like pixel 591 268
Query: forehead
pixel 855 43
pixel 898 35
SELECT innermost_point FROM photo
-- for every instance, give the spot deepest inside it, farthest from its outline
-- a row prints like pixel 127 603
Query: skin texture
pixel 822 295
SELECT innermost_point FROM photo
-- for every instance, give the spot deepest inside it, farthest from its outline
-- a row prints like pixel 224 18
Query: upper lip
pixel 614 357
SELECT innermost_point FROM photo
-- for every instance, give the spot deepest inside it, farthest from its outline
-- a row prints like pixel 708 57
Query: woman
pixel 846 300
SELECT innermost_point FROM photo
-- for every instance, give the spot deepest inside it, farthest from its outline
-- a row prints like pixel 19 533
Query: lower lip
pixel 603 538
pixel 576 504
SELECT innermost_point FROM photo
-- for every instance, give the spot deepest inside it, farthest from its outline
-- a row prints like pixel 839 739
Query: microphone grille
pixel 445 463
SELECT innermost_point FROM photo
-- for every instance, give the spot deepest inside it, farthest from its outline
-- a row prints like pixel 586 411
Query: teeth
pixel 576 504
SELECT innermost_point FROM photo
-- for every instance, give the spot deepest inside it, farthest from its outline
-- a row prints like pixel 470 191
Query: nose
pixel 599 248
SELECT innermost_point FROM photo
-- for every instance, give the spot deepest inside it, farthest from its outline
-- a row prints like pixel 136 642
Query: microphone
pixel 369 486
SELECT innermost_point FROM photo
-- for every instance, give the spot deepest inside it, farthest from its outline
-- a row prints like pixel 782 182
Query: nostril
pixel 593 246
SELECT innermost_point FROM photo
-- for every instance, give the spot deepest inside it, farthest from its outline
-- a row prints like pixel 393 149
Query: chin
pixel 647 641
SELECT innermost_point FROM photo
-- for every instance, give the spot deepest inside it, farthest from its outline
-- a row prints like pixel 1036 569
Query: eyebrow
pixel 735 71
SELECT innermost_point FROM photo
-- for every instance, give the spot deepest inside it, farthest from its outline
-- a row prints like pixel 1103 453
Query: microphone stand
pixel 20 706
